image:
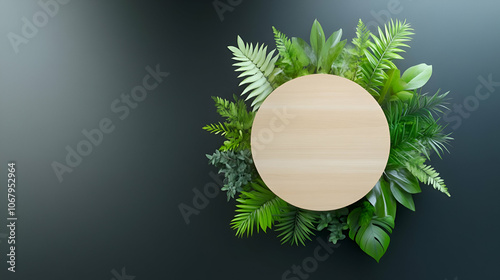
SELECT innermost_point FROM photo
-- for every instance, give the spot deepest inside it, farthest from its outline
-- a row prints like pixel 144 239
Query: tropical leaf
pixel 416 76
pixel 382 51
pixel 413 129
pixel 404 179
pixel 370 232
pixel 216 128
pixel 283 45
pixel 428 175
pixel 361 43
pixel 296 225
pixel 238 124
pixel 325 52
pixel 256 67
pixel 424 105
pixel 258 208
pixel 381 198
pixel 402 196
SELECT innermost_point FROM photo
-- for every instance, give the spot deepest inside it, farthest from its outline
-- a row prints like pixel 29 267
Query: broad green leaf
pixel 372 238
pixel 417 76
pixel 317 38
pixel 331 51
pixel 305 54
pixel 381 197
pixel 404 179
pixel 392 78
pixel 404 95
pixel 402 196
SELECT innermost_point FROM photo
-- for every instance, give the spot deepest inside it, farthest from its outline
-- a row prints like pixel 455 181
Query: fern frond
pixel 238 124
pixel 361 43
pixel 296 225
pixel 223 106
pixel 428 175
pixel 258 208
pixel 382 51
pixel 283 45
pixel 362 38
pixel 235 112
pixel 216 128
pixel 257 67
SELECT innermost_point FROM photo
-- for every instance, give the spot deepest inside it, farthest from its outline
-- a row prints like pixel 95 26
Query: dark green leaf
pixel 381 197
pixel 372 238
pixel 404 179
pixel 402 196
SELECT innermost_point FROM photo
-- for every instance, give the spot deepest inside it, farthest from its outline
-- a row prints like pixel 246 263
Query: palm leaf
pixel 424 105
pixel 296 225
pixel 413 128
pixel 258 208
pixel 382 51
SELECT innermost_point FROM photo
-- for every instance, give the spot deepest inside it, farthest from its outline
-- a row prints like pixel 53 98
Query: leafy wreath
pixel 411 116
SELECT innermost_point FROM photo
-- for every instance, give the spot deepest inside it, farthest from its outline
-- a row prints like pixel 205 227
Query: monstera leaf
pixel 370 232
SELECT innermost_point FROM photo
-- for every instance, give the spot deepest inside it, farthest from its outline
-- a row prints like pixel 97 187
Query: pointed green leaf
pixel 381 197
pixel 317 38
pixel 417 76
pixel 404 95
pixel 373 237
pixel 304 52
pixel 402 196
pixel 404 179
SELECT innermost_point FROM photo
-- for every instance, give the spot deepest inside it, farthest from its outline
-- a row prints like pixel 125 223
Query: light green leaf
pixel 256 65
pixel 317 38
pixel 417 76
pixel 392 79
pixel 305 53
pixel 331 51
pixel 404 95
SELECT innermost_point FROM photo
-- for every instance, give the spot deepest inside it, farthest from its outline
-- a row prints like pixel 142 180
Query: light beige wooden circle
pixel 320 142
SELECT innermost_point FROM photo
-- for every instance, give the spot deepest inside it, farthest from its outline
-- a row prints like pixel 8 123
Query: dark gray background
pixel 119 207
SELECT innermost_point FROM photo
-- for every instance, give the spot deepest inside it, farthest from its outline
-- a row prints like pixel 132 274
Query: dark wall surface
pixel 113 214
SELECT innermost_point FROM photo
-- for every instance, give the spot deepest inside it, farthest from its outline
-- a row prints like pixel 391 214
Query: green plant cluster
pixel 237 168
pixel 369 61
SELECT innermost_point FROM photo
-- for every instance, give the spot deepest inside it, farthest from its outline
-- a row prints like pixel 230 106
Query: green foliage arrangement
pixel 369 61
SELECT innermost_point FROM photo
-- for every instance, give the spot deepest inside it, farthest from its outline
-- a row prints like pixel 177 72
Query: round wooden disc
pixel 320 142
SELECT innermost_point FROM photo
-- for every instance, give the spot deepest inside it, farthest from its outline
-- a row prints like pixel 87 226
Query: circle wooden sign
pixel 320 142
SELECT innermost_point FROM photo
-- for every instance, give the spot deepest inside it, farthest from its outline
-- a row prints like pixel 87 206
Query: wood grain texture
pixel 320 142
